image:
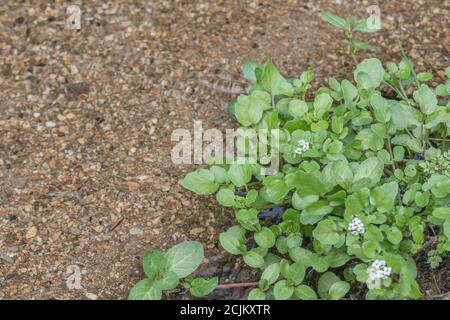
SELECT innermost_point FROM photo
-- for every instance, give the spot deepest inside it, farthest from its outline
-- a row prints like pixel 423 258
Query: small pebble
pixel 50 124
pixel 135 231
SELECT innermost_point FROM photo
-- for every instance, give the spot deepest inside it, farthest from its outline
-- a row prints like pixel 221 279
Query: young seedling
pixel 350 26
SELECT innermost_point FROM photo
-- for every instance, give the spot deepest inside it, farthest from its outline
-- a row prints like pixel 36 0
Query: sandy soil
pixel 86 118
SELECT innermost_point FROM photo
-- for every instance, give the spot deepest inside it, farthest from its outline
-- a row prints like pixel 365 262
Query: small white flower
pixel 379 270
pixel 299 151
pixel 356 227
pixel 303 146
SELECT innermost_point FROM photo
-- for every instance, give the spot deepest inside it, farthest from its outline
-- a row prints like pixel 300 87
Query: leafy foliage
pixel 165 270
pixel 351 156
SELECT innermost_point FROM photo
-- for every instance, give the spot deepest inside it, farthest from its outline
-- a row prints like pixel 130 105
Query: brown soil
pixel 86 118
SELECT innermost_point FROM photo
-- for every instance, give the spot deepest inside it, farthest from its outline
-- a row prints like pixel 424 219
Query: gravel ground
pixel 86 118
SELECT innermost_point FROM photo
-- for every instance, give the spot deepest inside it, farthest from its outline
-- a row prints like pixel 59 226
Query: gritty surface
pixel 86 117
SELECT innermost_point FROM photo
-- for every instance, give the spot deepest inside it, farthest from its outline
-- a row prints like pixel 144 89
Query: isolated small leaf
pixel 144 290
pixel 184 258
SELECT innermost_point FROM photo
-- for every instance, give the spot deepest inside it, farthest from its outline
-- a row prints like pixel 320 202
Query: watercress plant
pixel 363 184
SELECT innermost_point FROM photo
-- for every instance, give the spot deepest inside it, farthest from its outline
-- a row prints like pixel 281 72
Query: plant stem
pixel 393 88
pixel 237 285
pixel 410 65
pixel 391 153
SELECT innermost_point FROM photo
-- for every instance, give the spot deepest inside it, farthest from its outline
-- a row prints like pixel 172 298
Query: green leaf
pixel 226 197
pixel 319 264
pixel 249 69
pixel 373 68
pixel 334 20
pixel 338 290
pixel 406 141
pixel 424 76
pixel 295 273
pixel 305 183
pixel 322 104
pixel 315 212
pixel 248 218
pixel 274 82
pixel 394 235
pixel 325 282
pixel 256 294
pixel 144 290
pixel 220 174
pixel 249 108
pixel 349 91
pixel 271 273
pixel 382 109
pixel 297 108
pixel 371 168
pixel 404 69
pixel 305 292
pixel 361 45
pixel 201 287
pixel 399 153
pixel 442 213
pixel 168 281
pixel 383 197
pixel 184 258
pixel 327 232
pixel 370 140
pixel 282 291
pixel 230 243
pixel 265 238
pixel 426 98
pixel 254 259
pixel 154 262
pixel 200 181
pixel 276 188
pixel 240 174
pixel 404 116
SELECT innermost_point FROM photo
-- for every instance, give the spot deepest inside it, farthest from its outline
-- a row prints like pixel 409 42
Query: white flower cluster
pixel 356 227
pixel 303 146
pixel 379 270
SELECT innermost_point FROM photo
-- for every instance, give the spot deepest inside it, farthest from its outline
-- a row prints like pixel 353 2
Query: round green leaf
pixel 144 290
pixel 265 238
pixel 184 258
pixel 282 291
